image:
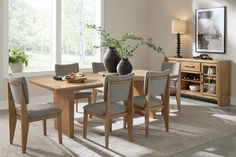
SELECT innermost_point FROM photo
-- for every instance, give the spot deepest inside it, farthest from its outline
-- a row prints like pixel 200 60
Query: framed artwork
pixel 210 29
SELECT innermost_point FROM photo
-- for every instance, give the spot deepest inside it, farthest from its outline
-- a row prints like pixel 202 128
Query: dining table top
pixel 94 80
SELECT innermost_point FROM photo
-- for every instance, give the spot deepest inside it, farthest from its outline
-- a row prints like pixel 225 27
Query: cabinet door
pixel 209 81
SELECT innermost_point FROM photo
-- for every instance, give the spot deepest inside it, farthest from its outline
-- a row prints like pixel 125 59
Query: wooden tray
pixel 78 80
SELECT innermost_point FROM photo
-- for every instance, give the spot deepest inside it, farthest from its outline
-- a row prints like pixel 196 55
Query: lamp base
pixel 178 56
pixel 178 47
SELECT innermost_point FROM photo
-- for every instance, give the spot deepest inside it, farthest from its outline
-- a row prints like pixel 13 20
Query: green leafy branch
pixel 123 49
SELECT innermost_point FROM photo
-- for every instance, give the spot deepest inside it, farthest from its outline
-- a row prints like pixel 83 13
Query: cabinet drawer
pixel 190 66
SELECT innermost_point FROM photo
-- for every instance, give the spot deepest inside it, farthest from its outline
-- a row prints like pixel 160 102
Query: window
pixel 30 29
pixel 77 40
pixel 32 25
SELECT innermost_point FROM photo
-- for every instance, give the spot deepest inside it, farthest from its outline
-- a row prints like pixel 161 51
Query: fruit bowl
pixel 194 88
pixel 76 78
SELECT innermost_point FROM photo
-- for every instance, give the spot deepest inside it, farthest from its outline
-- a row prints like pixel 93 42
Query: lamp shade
pixel 178 26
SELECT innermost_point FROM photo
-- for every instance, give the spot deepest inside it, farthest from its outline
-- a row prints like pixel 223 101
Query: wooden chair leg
pixel 130 127
pixel 90 99
pixel 24 134
pixel 107 132
pixel 90 102
pixel 94 95
pixel 45 127
pixel 110 125
pixel 76 105
pixel 124 122
pixel 178 97
pixel 59 127
pixel 162 111
pixel 12 127
pixel 166 118
pixel 146 124
pixel 85 124
pixel 152 114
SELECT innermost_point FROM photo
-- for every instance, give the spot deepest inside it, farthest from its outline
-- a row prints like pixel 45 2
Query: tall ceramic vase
pixel 124 67
pixel 111 60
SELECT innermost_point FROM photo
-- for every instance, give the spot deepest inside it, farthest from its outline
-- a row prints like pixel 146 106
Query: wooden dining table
pixel 64 93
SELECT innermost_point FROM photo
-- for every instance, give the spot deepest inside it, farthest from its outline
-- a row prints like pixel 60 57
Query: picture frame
pixel 210 30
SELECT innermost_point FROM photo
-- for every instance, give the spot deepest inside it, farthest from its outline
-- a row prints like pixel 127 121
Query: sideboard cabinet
pixel 209 79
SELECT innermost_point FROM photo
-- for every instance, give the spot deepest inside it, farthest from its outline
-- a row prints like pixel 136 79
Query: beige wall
pixel 161 14
pixel 122 16
pixel 3 91
pixel 1 73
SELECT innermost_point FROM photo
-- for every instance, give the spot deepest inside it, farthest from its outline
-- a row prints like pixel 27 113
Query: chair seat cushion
pixel 100 89
pixel 173 90
pixel 99 108
pixel 39 111
pixel 139 102
pixel 82 94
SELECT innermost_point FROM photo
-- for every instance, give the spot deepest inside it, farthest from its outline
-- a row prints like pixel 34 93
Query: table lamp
pixel 178 27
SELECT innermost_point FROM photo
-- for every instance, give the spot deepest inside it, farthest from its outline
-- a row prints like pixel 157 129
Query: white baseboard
pixel 233 101
pixel 3 105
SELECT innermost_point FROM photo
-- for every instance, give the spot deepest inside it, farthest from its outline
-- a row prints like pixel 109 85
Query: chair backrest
pixel 15 89
pixel 98 66
pixel 174 68
pixel 155 83
pixel 65 69
pixel 117 88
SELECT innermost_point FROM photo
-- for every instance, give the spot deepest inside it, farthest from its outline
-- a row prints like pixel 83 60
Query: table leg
pixel 65 100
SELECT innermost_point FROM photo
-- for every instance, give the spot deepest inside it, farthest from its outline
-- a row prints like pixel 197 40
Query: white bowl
pixel 212 89
pixel 194 88
pixel 211 71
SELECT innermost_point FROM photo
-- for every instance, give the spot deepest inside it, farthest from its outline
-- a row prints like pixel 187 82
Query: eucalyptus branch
pixel 124 50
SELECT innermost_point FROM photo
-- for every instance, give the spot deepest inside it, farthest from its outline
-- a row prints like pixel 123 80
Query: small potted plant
pixel 17 59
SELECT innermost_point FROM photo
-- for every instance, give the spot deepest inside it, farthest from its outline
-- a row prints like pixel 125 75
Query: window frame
pixel 56 40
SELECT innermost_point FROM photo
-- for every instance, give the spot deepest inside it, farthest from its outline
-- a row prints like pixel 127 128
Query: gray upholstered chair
pixel 118 102
pixel 175 82
pixel 97 67
pixel 155 84
pixel 65 69
pixel 18 94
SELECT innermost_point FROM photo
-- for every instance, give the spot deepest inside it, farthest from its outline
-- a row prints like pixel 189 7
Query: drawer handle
pixel 189 66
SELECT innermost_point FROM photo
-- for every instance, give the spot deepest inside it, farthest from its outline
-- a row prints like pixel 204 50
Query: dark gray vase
pixel 111 60
pixel 124 67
